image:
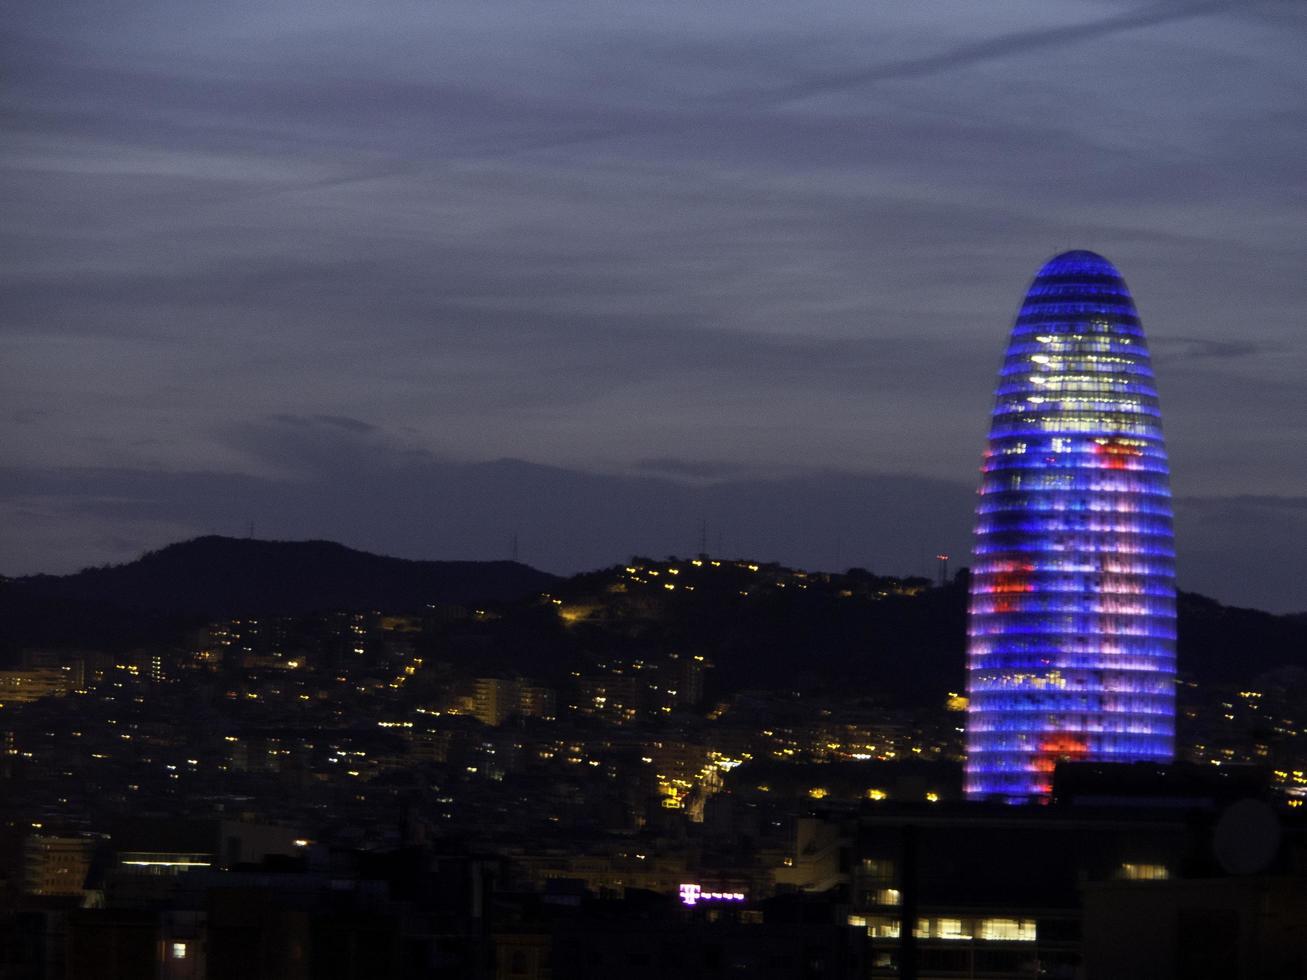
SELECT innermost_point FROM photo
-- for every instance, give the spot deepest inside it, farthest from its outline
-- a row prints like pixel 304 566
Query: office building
pixel 1071 625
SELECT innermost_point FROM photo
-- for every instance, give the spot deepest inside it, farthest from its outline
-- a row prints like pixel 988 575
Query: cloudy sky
pixel 422 276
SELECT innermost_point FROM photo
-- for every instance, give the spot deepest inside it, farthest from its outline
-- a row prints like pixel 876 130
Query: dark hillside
pixel 216 577
pixel 760 626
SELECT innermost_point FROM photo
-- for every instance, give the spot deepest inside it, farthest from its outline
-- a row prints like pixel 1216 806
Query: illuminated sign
pixel 693 894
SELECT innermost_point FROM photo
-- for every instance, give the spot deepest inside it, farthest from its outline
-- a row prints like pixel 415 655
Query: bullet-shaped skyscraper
pixel 1071 625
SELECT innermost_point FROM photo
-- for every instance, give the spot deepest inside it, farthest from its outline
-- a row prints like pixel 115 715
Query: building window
pixel 1143 872
pixel 1010 930
pixel 885 896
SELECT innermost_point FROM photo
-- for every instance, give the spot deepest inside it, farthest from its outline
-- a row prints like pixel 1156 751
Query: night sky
pixel 420 277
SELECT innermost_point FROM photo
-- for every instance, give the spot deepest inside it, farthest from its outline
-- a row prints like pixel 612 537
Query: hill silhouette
pixel 216 577
pixel 838 629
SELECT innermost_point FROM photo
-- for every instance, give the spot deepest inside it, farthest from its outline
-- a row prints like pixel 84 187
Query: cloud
pixel 693 470
pixel 1243 506
pixel 564 520
pixel 246 248
pixel 1244 548
pixel 371 491
pixel 1200 348
pixel 339 421
pixel 1009 45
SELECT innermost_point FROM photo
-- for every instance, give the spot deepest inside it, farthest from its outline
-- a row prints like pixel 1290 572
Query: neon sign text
pixel 692 894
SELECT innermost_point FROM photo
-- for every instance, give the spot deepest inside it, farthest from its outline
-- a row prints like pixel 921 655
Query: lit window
pixel 882 927
pixel 179 951
pixel 880 869
pixel 942 928
pixel 1010 930
pixel 1143 872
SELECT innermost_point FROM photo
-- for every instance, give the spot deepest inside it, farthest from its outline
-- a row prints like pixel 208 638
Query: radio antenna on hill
pixel 943 569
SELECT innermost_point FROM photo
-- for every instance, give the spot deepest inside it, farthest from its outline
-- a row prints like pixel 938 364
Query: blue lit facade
pixel 1071 625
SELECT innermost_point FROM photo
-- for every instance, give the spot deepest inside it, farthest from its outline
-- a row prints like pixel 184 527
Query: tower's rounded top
pixel 1076 292
pixel 1078 262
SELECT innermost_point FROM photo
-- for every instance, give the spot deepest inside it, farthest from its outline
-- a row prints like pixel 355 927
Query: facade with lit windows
pixel 1071 624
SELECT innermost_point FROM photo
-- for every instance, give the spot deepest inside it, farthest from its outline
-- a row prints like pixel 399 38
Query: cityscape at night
pixel 625 767
pixel 519 491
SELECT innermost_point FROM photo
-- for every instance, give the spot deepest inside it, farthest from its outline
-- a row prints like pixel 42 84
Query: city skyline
pixel 425 280
pixel 519 490
pixel 1071 623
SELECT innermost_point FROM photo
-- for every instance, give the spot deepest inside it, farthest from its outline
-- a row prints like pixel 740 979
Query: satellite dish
pixel 1247 837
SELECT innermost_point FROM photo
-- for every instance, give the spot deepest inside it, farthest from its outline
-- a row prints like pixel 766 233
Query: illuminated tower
pixel 1071 649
